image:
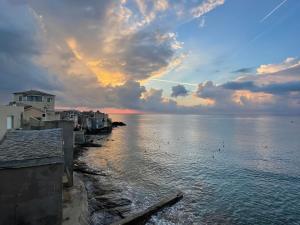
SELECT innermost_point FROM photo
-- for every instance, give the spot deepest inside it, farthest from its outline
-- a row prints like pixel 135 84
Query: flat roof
pixel 33 92
pixel 26 148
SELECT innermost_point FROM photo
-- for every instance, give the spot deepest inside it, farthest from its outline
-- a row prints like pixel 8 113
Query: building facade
pixel 37 99
pixel 37 105
pixel 10 118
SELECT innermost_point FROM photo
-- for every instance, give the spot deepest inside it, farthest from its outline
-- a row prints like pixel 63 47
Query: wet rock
pixel 78 151
pixel 90 144
pixel 110 201
pixel 118 123
pixel 83 168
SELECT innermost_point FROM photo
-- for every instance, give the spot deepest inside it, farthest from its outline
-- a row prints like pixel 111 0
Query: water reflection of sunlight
pixel 264 148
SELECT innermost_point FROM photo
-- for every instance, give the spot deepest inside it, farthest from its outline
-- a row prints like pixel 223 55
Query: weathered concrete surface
pixel 142 217
pixel 75 207
pixel 68 145
pixel 31 195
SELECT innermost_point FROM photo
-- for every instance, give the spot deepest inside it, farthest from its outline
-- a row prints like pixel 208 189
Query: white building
pixel 10 118
pixel 38 105
pixel 37 99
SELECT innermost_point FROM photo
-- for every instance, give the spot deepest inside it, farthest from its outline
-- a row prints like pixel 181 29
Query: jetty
pixel 142 217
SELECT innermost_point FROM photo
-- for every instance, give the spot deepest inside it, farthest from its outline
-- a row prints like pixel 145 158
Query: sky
pixel 154 56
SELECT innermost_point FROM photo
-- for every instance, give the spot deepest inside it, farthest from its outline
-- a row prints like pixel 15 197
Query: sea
pixel 232 169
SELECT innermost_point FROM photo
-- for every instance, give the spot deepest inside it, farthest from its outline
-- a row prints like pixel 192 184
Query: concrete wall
pixel 68 138
pixel 40 105
pixel 32 113
pixel 52 115
pixel 5 111
pixel 31 195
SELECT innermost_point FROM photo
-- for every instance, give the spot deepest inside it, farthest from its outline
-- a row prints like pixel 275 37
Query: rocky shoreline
pixel 105 201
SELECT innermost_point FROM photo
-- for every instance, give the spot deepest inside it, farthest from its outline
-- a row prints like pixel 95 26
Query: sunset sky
pixel 162 56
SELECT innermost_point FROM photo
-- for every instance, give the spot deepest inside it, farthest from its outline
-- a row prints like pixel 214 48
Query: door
pixel 10 122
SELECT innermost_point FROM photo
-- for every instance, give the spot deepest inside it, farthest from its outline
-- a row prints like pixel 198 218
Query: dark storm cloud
pixel 179 90
pixel 144 49
pixel 16 43
pixel 18 47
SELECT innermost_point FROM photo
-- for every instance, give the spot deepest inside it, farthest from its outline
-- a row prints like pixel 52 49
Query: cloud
pixel 19 49
pixel 98 54
pixel 179 90
pixel 277 92
pixel 244 70
pixel 105 49
pixel 153 102
pixel 274 88
pixel 220 97
pixel 114 44
pixel 205 7
pixel 234 85
pixel 273 68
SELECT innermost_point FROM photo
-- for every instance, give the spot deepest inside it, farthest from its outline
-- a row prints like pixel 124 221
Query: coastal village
pixel 36 158
pixel 39 149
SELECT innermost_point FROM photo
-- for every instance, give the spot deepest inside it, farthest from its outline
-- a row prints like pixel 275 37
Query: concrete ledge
pixel 75 208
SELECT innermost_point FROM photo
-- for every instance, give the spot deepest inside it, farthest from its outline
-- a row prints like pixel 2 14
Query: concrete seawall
pixel 75 203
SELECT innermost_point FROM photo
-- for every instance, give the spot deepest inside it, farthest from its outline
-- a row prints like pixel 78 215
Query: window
pixel 43 115
pixel 20 98
pixel 33 98
pixel 49 99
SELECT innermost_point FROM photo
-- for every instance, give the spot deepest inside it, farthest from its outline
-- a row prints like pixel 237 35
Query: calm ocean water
pixel 233 170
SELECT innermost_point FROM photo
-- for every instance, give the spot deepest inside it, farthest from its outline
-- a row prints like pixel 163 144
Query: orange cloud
pixel 104 76
pixel 273 68
pixel 192 100
pixel 255 97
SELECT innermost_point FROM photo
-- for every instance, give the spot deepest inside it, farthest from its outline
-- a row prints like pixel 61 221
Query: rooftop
pixel 24 148
pixel 33 92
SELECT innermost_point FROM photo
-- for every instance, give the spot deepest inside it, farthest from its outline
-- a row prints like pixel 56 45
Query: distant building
pixel 38 106
pixel 10 118
pixel 37 99
pixel 92 122
pixel 71 115
pixel 31 170
pixel 95 122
